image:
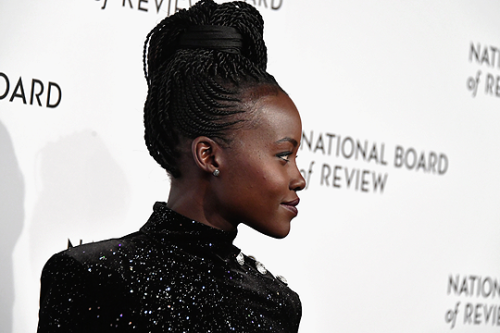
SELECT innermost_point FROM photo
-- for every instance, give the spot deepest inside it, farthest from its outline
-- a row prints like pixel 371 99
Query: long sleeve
pixel 63 296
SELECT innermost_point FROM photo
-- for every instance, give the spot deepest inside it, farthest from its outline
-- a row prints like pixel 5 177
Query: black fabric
pixel 213 37
pixel 174 275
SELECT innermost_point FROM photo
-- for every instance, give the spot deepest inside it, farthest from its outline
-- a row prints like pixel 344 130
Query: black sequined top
pixel 174 275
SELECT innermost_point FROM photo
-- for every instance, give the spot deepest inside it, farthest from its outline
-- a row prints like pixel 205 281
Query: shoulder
pixel 102 252
pixel 98 251
pixel 76 262
pixel 120 261
pixel 92 285
pixel 95 264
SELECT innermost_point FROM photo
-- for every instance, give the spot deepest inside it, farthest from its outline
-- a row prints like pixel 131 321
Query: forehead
pixel 275 117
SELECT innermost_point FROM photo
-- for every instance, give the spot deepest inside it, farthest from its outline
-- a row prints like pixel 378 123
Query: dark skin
pixel 258 179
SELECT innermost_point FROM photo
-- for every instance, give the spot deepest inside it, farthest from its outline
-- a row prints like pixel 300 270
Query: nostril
pixel 301 184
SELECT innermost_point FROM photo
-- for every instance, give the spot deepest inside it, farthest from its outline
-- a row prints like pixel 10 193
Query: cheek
pixel 252 168
pixel 274 180
pixel 257 174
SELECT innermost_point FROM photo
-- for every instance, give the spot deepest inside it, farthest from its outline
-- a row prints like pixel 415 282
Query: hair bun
pixel 163 41
pixel 212 37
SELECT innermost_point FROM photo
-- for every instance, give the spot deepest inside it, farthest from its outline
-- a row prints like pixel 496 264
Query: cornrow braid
pixel 198 91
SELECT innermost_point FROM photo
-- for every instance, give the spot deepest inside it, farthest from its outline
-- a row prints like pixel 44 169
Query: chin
pixel 275 230
pixel 278 234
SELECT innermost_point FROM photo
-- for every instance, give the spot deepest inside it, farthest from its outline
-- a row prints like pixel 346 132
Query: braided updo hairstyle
pixel 196 92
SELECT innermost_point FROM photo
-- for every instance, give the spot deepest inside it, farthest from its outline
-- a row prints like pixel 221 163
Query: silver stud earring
pixel 216 172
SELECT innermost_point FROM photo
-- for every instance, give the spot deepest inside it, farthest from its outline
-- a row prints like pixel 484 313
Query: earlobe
pixel 205 154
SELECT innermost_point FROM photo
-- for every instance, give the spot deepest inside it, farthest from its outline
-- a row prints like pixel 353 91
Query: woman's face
pixel 258 177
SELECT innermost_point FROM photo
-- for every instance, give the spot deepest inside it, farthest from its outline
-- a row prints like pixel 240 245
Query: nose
pixel 297 182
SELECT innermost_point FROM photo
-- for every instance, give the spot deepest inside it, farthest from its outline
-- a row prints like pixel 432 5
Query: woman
pixel 227 135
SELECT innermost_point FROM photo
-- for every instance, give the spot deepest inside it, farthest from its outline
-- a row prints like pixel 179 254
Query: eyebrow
pixel 288 139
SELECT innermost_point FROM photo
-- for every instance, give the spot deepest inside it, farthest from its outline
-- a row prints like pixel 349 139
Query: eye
pixel 284 156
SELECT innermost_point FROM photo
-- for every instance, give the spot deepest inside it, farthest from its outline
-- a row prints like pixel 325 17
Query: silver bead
pixel 240 258
pixel 216 172
pixel 260 267
pixel 282 279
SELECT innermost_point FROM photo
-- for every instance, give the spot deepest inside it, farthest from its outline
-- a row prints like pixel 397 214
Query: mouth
pixel 291 206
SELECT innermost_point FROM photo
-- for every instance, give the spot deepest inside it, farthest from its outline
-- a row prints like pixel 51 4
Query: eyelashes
pixel 285 155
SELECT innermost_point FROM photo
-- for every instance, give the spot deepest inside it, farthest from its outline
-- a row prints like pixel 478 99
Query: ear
pixel 205 153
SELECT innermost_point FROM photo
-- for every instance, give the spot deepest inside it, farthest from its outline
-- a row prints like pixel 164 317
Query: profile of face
pixel 259 178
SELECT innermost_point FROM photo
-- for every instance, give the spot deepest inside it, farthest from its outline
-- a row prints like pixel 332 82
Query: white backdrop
pixel 399 226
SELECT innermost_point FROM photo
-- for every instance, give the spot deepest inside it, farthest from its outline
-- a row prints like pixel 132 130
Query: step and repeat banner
pixel 399 226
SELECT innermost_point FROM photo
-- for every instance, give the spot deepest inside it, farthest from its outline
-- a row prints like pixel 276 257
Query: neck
pixel 193 199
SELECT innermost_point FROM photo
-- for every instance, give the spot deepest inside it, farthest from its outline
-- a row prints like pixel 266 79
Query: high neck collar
pixel 169 225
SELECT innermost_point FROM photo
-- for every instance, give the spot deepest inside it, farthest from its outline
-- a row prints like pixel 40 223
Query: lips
pixel 291 206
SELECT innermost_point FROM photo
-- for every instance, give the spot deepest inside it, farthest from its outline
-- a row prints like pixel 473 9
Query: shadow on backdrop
pixel 11 223
pixel 82 191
